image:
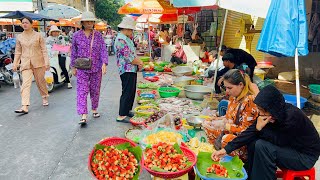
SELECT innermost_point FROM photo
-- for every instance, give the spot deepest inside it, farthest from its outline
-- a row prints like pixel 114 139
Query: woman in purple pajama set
pixel 88 81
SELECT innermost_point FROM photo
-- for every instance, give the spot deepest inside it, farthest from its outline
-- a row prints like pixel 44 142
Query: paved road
pixel 47 143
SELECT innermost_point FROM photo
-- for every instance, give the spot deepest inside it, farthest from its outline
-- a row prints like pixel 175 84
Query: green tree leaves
pixel 108 10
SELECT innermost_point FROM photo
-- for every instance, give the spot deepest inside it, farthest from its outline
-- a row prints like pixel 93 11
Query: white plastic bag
pixel 16 80
pixel 48 77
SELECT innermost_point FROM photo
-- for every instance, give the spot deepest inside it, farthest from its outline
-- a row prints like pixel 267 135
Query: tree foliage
pixel 108 10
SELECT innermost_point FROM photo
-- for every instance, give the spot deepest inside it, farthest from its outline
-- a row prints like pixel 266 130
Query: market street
pixel 47 143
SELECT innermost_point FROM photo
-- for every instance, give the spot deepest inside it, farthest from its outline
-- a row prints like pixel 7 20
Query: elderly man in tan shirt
pixel 32 57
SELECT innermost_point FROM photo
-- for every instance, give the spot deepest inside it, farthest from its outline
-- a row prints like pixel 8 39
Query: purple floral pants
pixel 88 82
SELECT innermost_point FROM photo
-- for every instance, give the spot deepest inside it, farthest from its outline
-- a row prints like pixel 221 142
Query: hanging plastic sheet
pixel 285 29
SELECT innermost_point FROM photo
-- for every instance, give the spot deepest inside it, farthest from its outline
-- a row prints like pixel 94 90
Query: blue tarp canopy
pixel 285 33
pixel 33 16
pixel 285 29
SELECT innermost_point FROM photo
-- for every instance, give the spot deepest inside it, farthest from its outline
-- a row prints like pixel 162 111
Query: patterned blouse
pixel 248 113
pixel 125 53
pixel 81 49
pixel 50 41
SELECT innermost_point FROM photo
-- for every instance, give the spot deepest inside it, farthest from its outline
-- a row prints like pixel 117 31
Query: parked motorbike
pixel 58 76
pixel 109 43
pixel 6 64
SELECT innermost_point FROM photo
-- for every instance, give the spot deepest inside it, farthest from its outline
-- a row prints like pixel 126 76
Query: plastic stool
pixel 290 174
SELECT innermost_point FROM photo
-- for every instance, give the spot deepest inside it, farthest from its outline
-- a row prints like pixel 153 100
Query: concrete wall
pixel 286 64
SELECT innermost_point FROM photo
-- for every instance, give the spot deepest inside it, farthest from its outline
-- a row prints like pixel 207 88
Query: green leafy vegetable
pixel 234 166
pixel 177 148
pixel 155 168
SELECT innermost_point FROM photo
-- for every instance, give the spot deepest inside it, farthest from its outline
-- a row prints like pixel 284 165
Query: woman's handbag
pixel 85 63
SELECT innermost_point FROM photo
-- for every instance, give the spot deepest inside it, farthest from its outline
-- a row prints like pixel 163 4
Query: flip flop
pixel 124 120
pixel 45 104
pixel 96 115
pixel 21 111
pixel 83 122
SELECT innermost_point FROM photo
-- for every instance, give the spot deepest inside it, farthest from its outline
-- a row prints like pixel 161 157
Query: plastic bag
pixel 163 130
pixel 208 112
pixel 16 80
pixel 48 77
pixel 215 124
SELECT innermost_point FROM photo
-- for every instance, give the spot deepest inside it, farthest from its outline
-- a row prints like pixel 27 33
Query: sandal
pixel 96 115
pixel 21 111
pixel 83 121
pixel 124 120
pixel 45 102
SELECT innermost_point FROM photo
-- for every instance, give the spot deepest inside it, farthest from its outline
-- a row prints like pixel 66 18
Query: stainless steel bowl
pixel 195 121
pixel 182 81
pixel 182 71
pixel 196 92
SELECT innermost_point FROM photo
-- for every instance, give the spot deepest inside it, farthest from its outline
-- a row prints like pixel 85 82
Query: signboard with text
pixel 16 5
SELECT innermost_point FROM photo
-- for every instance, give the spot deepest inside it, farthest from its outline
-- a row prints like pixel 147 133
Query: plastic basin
pixel 314 88
pixel 145 59
pixel 159 68
pixel 292 99
pixel 225 159
pixel 166 92
pixel 164 63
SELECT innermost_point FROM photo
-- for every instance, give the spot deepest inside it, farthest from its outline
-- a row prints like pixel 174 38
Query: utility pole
pixel 87 5
pixel 41 4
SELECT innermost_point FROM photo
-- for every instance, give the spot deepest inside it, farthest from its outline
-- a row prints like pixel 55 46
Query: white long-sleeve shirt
pixel 213 66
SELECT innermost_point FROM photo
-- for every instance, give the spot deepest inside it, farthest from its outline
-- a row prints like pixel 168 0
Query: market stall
pixel 167 138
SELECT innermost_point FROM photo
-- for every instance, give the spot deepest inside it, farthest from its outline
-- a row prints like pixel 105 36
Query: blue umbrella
pixel 59 11
pixel 285 32
pixel 33 16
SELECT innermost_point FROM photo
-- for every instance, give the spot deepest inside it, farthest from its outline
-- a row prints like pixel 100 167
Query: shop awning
pixel 15 5
pixel 256 8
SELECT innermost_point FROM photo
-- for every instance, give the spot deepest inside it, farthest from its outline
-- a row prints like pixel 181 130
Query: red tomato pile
pixel 165 157
pixel 218 169
pixel 167 69
pixel 111 163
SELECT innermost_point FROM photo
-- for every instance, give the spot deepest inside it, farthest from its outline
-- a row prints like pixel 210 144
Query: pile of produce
pixel 146 91
pixel 147 86
pixel 138 119
pixel 217 169
pixel 167 69
pixel 164 157
pixel 146 110
pixel 196 146
pixel 157 115
pixel 116 162
pixel 228 167
pixel 145 100
pixel 165 80
pixel 178 105
pixel 149 66
pixel 163 136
